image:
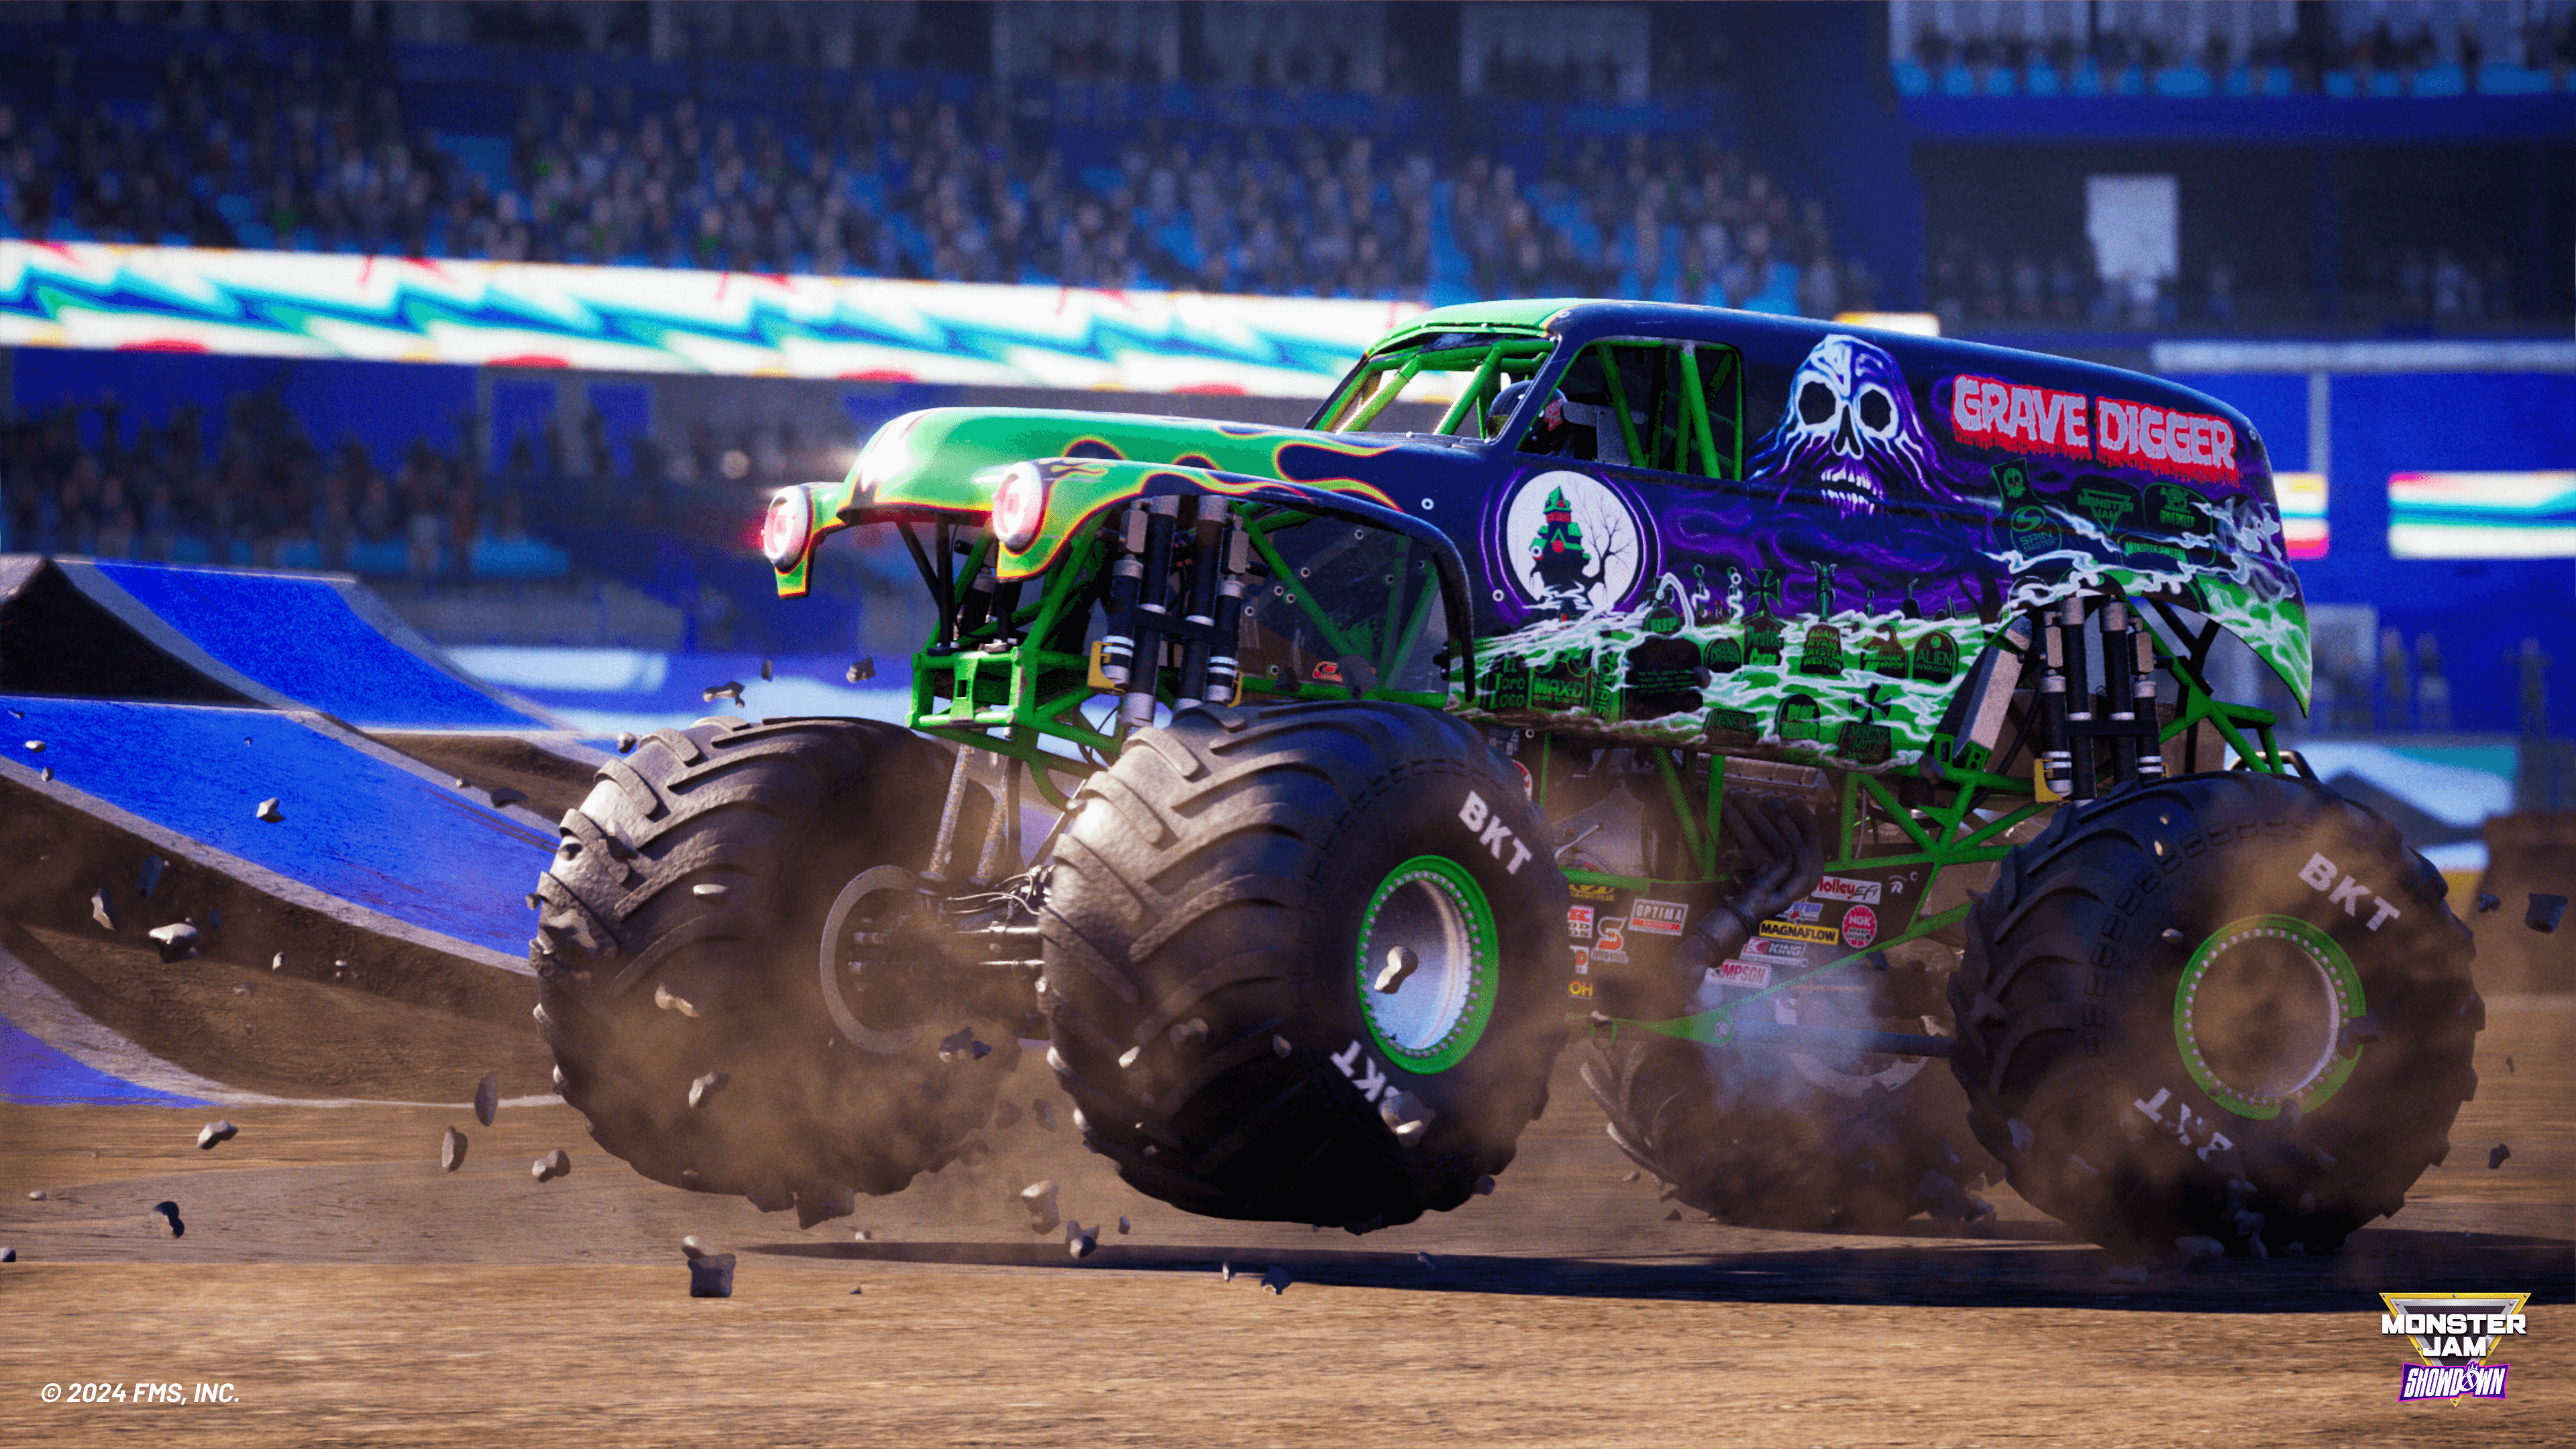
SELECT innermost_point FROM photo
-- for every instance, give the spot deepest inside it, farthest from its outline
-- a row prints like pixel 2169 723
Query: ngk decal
pixel 1844 888
pixel 2024 419
pixel 2177 444
pixel 2320 874
pixel 1657 918
pixel 1860 927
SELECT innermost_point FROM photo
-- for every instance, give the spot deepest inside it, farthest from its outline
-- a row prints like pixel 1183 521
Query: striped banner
pixel 2482 515
pixel 642 319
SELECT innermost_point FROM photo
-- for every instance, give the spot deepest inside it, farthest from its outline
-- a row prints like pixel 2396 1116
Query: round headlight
pixel 790 522
pixel 1019 505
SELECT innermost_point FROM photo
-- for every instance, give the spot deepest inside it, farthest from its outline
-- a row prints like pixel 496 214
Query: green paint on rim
pixel 1432 908
pixel 2259 1015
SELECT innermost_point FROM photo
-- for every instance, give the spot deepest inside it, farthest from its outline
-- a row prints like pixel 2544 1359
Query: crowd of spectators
pixel 316 154
pixel 2306 53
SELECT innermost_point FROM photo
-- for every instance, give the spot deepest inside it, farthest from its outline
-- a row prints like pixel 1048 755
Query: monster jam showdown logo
pixel 2453 1335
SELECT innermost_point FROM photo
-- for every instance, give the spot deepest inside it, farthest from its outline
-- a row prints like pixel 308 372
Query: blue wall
pixel 383 404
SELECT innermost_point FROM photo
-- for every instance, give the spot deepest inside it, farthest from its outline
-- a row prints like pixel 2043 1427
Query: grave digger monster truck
pixel 1664 675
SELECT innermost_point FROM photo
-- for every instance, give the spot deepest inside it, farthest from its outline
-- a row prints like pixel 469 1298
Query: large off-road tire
pixel 1217 916
pixel 2163 974
pixel 682 918
pixel 1769 1137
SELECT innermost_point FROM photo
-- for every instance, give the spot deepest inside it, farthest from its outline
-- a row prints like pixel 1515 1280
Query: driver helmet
pixel 1546 434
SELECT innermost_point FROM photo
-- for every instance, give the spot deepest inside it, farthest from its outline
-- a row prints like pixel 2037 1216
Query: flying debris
pixel 269 812
pixel 1079 1241
pixel 177 941
pixel 214 1133
pixel 101 911
pixel 962 1044
pixel 669 1000
pixel 625 742
pixel 166 1218
pixel 1039 1199
pixel 1122 1225
pixel 731 689
pixel 557 1163
pixel 863 671
pixel 2488 902
pixel 693 1248
pixel 707 1086
pixel 487 1097
pixel 766 674
pixel 1276 1280
pixel 2544 912
pixel 150 876
pixel 1183 1033
pixel 2495 1158
pixel 711 1276
pixel 451 1150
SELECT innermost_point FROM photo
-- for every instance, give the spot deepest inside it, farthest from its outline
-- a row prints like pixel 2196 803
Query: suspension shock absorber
pixel 2056 761
pixel 1126 582
pixel 2142 693
pixel 1207 553
pixel 2119 666
pixel 1151 611
pixel 1225 664
pixel 2078 683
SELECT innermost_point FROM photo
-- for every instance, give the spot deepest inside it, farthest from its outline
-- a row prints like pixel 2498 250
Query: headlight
pixel 1019 505
pixel 790 523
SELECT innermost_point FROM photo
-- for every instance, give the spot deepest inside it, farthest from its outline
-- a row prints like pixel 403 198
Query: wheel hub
pixel 875 905
pixel 1428 938
pixel 2260 1012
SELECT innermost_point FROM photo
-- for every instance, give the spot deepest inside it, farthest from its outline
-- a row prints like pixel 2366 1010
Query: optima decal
pixel 2024 419
pixel 2154 440
pixel 1657 918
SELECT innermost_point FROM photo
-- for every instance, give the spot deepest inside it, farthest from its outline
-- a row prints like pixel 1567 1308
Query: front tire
pixel 679 938
pixel 1221 915
pixel 2231 1006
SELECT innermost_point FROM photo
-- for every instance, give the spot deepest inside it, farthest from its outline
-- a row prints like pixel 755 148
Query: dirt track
pixel 347 1290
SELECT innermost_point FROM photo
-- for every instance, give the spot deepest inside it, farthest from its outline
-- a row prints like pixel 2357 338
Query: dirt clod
pixel 487 1097
pixel 557 1163
pixel 711 1276
pixel 176 941
pixel 451 1150
pixel 693 1247
pixel 1276 1280
pixel 707 1086
pixel 1039 1199
pixel 2496 1156
pixel 165 1216
pixel 101 911
pixel 268 811
pixel 215 1133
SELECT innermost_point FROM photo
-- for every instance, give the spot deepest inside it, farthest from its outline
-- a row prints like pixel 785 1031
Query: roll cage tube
pixel 1369 390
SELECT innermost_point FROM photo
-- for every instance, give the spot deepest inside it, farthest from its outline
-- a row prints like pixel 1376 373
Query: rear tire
pixel 1772 1138
pixel 2158 973
pixel 681 919
pixel 1207 915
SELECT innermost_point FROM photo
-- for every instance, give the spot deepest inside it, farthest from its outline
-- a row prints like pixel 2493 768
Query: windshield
pixel 1445 382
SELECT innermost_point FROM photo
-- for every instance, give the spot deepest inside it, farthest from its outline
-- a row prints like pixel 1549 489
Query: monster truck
pixel 1773 706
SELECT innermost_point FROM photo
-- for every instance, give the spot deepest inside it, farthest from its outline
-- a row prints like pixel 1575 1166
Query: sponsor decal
pixel 2198 1133
pixel 1492 833
pixel 1578 922
pixel 1613 943
pixel 2024 419
pixel 1586 891
pixel 1759 949
pixel 1860 927
pixel 1755 974
pixel 2156 440
pixel 2320 874
pixel 1657 918
pixel 1800 931
pixel 1578 988
pixel 1582 961
pixel 2454 1334
pixel 1809 911
pixel 1844 888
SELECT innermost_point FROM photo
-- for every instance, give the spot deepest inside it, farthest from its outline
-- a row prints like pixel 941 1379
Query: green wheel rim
pixel 2259 1015
pixel 1431 907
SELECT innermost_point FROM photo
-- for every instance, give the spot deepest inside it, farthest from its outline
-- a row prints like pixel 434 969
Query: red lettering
pixel 2172 443
pixel 2025 414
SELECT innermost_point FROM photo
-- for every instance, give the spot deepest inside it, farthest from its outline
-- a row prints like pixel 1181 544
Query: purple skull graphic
pixel 1851 435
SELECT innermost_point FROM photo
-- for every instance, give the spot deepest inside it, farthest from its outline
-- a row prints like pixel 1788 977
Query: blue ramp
pixel 362 825
pixel 314 640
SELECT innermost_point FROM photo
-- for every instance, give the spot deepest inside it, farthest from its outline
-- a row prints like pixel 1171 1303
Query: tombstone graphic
pixel 1936 658
pixel 1801 718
